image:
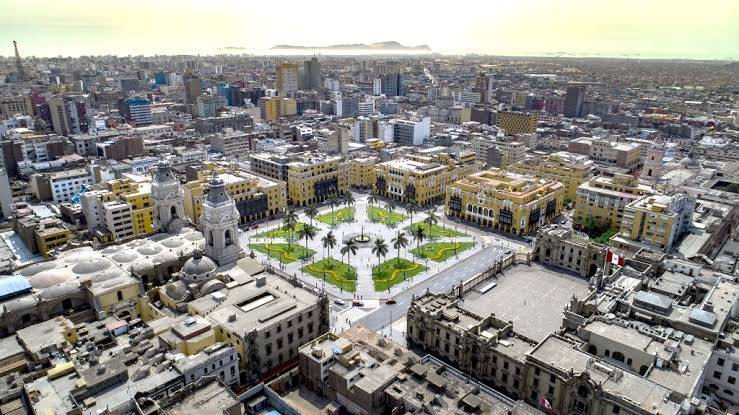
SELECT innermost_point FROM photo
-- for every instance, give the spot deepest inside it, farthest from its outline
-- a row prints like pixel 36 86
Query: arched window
pixel 583 391
pixel 593 350
pixel 120 295
pixel 227 237
pixel 643 370
pixel 210 238
pixel 548 252
pixel 469 207
pixel 619 356
pixel 173 211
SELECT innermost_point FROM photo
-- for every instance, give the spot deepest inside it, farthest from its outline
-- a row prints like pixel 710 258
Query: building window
pixel 720 361
pixel 732 380
pixel 717 375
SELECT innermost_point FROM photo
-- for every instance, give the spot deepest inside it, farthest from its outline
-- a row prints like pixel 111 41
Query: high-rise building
pixel 392 85
pixel 193 89
pixel 137 110
pixel 69 114
pixel 273 108
pixel 514 122
pixel 287 79
pixel 312 74
pixel 128 84
pixel 573 101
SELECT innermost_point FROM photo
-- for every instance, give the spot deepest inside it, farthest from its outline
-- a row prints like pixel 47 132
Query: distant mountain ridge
pixel 372 47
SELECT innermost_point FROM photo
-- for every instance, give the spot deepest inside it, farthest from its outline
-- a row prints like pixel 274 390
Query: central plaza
pixel 352 249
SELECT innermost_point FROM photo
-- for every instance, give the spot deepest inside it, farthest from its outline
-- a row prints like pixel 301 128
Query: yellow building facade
pixel 138 196
pixel 570 169
pixel 602 200
pixel 655 220
pixel 362 172
pixel 517 122
pixel 50 236
pixel 274 108
pixel 316 179
pixel 505 201
pixel 422 178
pixel 256 197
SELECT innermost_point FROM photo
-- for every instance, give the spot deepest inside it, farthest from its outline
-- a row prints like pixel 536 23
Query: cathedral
pixel 219 222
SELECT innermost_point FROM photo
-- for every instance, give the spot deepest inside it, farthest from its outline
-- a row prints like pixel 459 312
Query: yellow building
pixel 422 178
pixel 287 78
pixel 375 143
pixel 256 197
pixel 570 169
pixel 121 209
pixel 361 172
pixel 657 221
pixel 517 122
pixel 316 178
pixel 50 234
pixel 274 108
pixel 505 201
pixel 601 200
pixel 123 291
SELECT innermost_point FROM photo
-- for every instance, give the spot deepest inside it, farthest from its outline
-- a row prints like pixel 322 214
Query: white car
pixel 339 301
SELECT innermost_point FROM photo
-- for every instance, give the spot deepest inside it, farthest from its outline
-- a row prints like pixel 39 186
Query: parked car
pixel 390 301
pixel 339 301
pixel 357 303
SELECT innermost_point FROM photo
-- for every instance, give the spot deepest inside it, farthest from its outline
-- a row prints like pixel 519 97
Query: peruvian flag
pixel 615 259
pixel 543 402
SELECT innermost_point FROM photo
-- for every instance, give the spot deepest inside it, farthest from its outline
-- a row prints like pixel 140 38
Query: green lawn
pixel 339 216
pixel 381 215
pixel 394 271
pixel 434 231
pixel 281 232
pixel 335 273
pixel 441 251
pixel 286 253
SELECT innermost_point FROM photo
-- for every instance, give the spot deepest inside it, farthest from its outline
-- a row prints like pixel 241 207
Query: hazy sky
pixel 650 28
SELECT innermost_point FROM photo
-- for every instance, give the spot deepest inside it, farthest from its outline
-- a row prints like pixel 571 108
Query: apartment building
pixel 422 178
pixel 570 169
pixel 604 152
pixel 65 185
pixel 118 210
pixel 602 200
pixel 505 201
pixel 231 143
pixel 656 221
pixel 274 108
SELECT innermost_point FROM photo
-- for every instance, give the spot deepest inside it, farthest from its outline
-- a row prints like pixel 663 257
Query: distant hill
pixel 390 46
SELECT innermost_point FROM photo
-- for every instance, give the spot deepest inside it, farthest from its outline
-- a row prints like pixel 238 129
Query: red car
pixel 390 301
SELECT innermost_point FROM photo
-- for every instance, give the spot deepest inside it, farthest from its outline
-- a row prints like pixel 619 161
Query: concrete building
pixel 601 200
pixel 236 144
pixel 312 74
pixel 208 105
pixel 517 122
pixel 274 108
pixel 13 105
pixel 393 85
pixel 569 250
pixel 409 132
pixel 137 110
pixel 570 169
pixel 286 79
pixel 657 221
pixel 315 178
pixel 505 201
pixel 498 154
pixel 574 100
pixel 422 178
pixel 65 185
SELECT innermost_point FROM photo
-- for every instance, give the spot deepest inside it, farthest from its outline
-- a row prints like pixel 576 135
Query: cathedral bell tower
pixel 220 221
pixel 169 208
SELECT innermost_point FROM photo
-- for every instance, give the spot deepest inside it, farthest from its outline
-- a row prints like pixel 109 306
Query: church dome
pixel 217 194
pixel 164 173
pixel 690 163
pixel 198 268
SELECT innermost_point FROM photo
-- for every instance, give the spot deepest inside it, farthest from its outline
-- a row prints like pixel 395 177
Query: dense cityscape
pixel 391 231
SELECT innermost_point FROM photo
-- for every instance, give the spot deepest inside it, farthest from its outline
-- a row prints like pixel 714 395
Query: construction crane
pixel 18 65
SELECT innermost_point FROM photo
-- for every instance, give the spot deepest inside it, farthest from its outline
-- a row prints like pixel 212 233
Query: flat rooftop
pixel 532 297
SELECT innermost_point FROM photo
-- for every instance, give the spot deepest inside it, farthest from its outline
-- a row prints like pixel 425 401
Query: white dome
pixel 90 266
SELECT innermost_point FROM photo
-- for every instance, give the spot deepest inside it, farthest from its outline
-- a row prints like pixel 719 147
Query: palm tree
pixel 400 241
pixel 307 232
pixel 311 212
pixel 348 199
pixel 334 202
pixel 380 249
pixel 349 249
pixel 411 209
pixel 419 234
pixel 372 199
pixel 431 219
pixel 329 242
pixel 390 206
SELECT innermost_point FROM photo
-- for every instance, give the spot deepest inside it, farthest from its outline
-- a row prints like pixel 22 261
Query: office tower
pixel 573 100
pixel 287 79
pixel 128 84
pixel 312 74
pixel 160 78
pixel 392 85
pixel 137 110
pixel 193 89
pixel 69 114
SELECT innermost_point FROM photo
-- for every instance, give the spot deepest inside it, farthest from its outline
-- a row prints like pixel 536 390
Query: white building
pixel 377 86
pixel 409 132
pixel 67 184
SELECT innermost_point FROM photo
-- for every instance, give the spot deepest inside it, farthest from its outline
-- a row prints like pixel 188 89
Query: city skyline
pixel 658 29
